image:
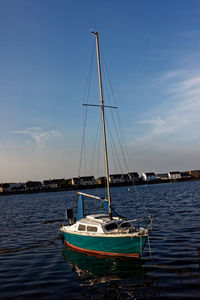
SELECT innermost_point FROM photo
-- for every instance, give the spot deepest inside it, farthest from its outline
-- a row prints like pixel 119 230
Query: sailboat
pixel 101 234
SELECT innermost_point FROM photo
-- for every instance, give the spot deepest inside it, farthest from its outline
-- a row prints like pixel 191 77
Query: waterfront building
pixel 174 175
pixel 149 176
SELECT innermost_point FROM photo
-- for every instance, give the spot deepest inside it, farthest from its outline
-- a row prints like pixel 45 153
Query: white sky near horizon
pixel 152 50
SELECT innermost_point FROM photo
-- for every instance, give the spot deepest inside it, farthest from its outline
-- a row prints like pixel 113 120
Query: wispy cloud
pixel 178 116
pixel 38 135
pixel 172 74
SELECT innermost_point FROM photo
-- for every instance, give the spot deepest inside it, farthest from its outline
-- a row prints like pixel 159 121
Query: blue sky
pixel 152 51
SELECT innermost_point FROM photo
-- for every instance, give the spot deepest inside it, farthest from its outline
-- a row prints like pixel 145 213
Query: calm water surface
pixel 34 263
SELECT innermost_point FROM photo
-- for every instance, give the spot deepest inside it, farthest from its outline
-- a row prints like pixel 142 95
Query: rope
pixel 95 146
pixel 113 146
pixel 83 141
pixel 121 137
pixel 86 93
pixel 119 122
pixel 98 162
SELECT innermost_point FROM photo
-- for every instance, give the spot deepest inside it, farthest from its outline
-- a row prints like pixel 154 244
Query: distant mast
pixel 103 122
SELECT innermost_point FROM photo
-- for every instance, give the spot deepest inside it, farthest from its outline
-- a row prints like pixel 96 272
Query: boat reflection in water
pixel 93 269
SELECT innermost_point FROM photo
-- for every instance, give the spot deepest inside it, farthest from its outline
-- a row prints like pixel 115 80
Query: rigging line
pixel 99 148
pixel 140 209
pixel 108 76
pixel 116 130
pixel 123 138
pixel 85 159
pixel 112 142
pixel 83 140
pixel 115 103
pixel 140 198
pixel 120 140
pixel 122 135
pixel 121 132
pixel 89 76
pixel 112 147
pixel 94 147
pixel 137 206
pixel 143 207
pixel 88 84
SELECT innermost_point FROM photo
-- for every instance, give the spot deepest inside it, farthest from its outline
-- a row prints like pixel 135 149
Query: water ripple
pixel 34 263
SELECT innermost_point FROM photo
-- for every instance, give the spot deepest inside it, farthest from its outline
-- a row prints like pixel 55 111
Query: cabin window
pixel 111 226
pixel 92 228
pixel 125 224
pixel 81 227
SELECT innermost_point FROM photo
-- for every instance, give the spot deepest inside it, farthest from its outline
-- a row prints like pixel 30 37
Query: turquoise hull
pixel 106 245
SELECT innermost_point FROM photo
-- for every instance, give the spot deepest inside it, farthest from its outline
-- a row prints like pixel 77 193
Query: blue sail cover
pixel 114 214
pixel 80 208
pixel 79 214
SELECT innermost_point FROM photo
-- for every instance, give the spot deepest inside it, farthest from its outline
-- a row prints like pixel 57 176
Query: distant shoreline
pixel 95 186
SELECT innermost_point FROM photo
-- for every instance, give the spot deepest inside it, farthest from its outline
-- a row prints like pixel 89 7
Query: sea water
pixel 35 264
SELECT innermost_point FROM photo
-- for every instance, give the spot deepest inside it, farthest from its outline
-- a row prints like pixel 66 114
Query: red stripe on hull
pixel 101 253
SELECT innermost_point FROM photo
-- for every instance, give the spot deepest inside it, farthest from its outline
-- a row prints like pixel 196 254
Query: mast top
pixel 94 32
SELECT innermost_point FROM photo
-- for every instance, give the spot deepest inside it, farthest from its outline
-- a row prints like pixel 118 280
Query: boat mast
pixel 103 123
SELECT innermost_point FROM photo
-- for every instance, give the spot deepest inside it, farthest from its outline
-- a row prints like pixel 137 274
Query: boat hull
pixel 118 246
